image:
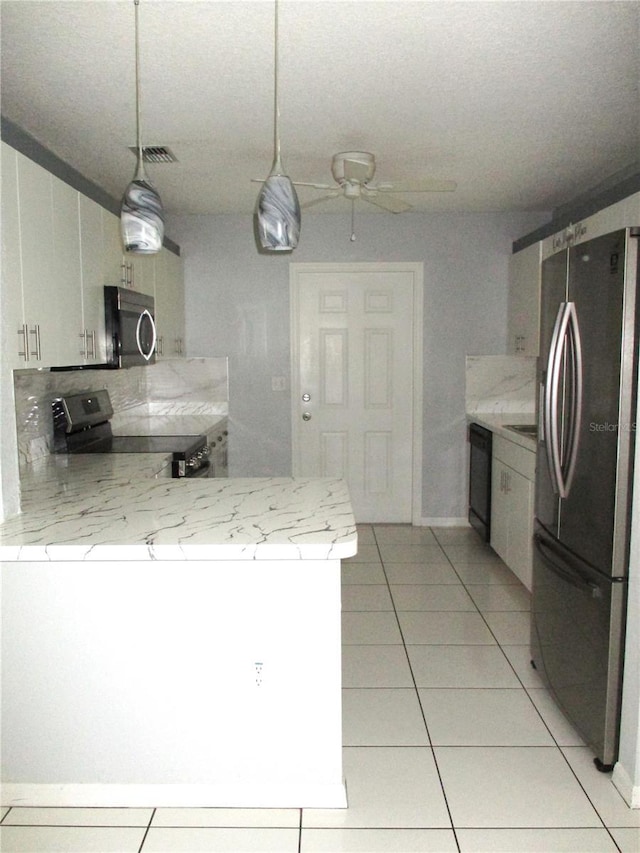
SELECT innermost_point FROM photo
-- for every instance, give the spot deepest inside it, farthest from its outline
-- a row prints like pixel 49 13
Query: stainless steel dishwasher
pixel 480 448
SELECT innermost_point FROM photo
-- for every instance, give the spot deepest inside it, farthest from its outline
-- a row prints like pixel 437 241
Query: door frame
pixel 417 270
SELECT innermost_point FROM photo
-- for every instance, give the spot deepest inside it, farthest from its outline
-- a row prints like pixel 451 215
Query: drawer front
pixel 519 458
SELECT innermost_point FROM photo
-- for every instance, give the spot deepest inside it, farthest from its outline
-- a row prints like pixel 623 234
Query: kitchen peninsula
pixel 172 642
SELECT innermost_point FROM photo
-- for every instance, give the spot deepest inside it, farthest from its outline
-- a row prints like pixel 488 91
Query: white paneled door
pixel 356 386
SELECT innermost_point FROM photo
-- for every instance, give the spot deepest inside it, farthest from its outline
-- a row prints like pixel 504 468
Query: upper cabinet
pixel 41 264
pixel 14 352
pixel 96 272
pixel 59 250
pixel 169 305
pixel 523 306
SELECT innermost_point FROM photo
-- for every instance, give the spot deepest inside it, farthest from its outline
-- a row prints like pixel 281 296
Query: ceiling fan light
pixel 278 211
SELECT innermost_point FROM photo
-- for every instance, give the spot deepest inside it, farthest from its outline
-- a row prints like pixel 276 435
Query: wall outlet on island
pixel 278 383
pixel 259 666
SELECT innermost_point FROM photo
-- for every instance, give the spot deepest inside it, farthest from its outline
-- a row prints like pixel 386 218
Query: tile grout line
pixel 146 832
pixel 417 693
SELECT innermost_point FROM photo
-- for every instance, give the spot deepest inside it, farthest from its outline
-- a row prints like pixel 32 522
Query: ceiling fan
pixel 353 172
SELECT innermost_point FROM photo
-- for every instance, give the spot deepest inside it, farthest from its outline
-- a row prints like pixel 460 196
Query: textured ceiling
pixel 525 104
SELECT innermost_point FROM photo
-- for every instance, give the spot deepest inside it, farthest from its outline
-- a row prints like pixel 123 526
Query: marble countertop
pixel 127 507
pixel 497 423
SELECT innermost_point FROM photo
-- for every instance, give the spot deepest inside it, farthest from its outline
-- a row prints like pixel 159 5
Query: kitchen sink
pixel 525 429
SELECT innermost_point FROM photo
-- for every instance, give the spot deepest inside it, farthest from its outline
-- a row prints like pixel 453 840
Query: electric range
pixel 82 424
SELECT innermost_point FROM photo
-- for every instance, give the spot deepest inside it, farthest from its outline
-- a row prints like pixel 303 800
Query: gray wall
pixel 237 304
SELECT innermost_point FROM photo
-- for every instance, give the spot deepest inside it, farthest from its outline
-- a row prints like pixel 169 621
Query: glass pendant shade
pixel 278 214
pixel 141 216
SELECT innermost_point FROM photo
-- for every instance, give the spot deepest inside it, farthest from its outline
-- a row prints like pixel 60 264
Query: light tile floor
pixel 451 742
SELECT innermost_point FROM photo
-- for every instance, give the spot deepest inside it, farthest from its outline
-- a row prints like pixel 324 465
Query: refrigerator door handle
pixel 575 412
pixel 551 397
pixel 567 573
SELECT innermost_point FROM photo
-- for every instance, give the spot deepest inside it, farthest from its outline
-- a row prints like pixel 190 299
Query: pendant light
pixel 278 208
pixel 141 213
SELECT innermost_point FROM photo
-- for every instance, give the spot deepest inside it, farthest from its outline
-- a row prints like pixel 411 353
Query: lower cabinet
pixel 512 506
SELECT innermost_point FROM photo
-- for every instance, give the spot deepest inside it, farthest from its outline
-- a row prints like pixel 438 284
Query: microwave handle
pixel 145 355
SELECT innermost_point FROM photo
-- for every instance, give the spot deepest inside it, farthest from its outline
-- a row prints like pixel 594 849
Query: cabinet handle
pixel 36 336
pixel 24 352
pixel 126 273
pixel 88 349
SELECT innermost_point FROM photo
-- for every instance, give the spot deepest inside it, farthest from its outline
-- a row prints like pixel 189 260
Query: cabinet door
pixel 169 304
pixel 524 302
pixel 12 308
pixel 175 283
pixel 43 313
pixel 93 281
pixel 114 260
pixel 143 277
pixel 519 546
pixel 499 509
pixel 66 273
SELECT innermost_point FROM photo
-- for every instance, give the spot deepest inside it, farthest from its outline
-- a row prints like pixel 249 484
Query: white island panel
pixel 172 683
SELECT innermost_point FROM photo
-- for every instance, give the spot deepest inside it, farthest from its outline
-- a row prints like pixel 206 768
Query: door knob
pixel 306 416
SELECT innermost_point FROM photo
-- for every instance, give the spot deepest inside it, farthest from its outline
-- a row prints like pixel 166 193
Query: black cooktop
pixel 184 445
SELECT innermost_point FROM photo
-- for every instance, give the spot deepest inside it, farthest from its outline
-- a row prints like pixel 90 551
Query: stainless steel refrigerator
pixel 587 379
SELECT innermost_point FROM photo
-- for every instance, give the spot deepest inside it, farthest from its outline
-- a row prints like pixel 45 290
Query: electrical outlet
pixel 278 383
pixel 259 666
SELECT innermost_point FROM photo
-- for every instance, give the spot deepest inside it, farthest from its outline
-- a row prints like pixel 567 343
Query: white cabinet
pixel 95 274
pixel 66 275
pixel 512 506
pixel 33 311
pixel 169 295
pixel 523 306
pixel 13 354
pixel 622 214
pixel 144 274
pixel 113 255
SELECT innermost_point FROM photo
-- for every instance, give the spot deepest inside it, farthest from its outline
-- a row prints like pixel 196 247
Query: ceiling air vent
pixel 156 154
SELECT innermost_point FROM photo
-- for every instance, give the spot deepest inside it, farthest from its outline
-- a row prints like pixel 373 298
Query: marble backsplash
pixel 187 386
pixel 500 383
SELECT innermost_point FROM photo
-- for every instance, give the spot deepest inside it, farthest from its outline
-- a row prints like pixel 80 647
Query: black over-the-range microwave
pixel 130 327
pixel 130 330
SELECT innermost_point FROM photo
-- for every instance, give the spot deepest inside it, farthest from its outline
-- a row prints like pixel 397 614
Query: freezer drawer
pixel 577 629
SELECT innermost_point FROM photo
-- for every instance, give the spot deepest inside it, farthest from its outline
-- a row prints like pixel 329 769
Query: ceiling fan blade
pixel 315 186
pixel 319 200
pixel 393 205
pixel 420 186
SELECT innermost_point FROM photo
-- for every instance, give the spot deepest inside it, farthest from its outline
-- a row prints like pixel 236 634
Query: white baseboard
pixel 443 522
pixel 629 791
pixel 178 796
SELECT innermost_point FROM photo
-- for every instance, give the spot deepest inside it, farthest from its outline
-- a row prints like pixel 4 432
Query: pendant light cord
pixel 140 174
pixel 277 165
